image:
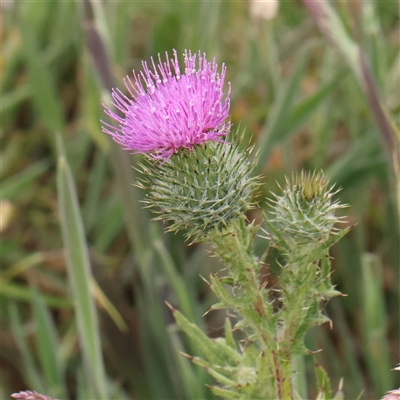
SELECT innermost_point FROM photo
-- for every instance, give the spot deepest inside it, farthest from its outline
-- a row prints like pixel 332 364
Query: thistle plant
pixel 201 183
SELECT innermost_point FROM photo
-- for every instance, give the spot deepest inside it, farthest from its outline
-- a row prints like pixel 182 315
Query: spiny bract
pixel 305 213
pixel 203 189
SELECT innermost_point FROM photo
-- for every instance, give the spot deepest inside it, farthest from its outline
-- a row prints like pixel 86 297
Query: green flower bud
pixel 305 214
pixel 201 190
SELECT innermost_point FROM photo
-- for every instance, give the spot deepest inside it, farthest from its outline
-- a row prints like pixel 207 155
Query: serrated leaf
pixel 226 393
pixel 323 383
pixel 230 340
pixel 202 341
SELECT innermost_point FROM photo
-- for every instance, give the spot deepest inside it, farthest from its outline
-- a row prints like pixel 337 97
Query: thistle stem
pixel 234 248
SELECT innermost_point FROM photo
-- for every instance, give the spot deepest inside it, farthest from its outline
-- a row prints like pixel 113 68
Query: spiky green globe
pixel 305 213
pixel 203 189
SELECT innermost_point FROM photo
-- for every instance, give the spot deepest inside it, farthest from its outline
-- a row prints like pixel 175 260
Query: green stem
pixel 299 280
pixel 234 248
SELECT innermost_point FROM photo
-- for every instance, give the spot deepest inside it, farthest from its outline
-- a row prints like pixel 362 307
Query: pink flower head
pixel 168 110
pixel 29 395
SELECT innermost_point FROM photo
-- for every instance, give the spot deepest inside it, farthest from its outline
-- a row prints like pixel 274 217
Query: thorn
pixel 187 355
pixel 205 280
pixel 211 309
pixel 314 351
pixel 170 307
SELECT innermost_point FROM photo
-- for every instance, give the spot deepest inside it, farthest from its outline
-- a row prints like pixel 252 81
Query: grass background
pixel 74 236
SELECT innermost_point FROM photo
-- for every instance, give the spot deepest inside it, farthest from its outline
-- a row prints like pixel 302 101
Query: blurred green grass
pixel 293 95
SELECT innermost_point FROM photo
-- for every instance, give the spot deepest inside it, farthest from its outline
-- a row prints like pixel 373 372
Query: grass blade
pixel 21 292
pixel 47 344
pixel 18 184
pixel 331 25
pixel 32 374
pixel 307 106
pixel 375 325
pixel 276 120
pixel 185 301
pixel 79 274
pixel 41 82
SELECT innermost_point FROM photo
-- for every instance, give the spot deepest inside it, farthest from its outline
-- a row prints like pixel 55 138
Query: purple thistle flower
pixel 168 110
pixel 29 395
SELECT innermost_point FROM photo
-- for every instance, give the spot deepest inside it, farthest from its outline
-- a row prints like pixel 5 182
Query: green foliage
pixel 241 374
pixel 49 354
pixel 303 228
pixel 289 84
pixel 79 274
pixel 323 383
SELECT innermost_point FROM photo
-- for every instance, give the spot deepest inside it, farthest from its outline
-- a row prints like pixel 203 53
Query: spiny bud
pixel 305 213
pixel 201 190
